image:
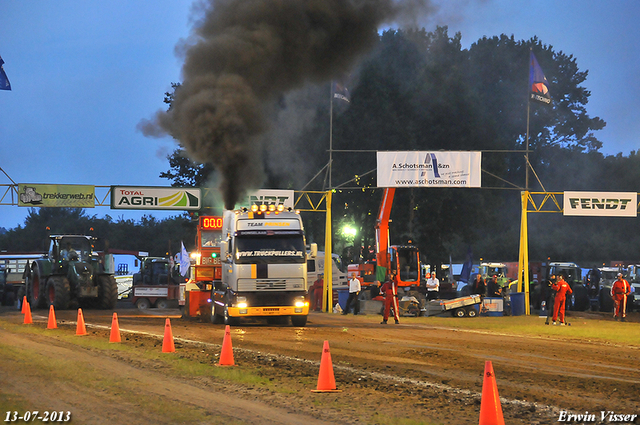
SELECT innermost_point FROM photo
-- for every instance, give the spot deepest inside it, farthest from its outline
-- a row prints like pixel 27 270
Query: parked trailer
pixel 12 291
pixel 458 307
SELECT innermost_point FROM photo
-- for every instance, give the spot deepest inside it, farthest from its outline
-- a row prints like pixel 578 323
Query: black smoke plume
pixel 243 55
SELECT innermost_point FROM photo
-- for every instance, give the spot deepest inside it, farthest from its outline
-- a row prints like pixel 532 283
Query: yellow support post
pixel 327 290
pixel 523 260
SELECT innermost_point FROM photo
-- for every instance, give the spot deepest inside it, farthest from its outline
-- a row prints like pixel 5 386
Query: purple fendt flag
pixel 340 91
pixel 538 84
pixel 4 81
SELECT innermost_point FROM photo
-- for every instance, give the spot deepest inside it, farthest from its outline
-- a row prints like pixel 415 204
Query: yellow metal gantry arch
pixel 534 202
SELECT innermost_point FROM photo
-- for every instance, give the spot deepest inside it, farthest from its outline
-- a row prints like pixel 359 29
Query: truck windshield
pixel 211 238
pixel 272 249
pixel 339 264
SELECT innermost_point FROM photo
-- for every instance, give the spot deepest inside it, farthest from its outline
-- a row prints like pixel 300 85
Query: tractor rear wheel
pixel 107 292
pixel 58 292
pixel 37 289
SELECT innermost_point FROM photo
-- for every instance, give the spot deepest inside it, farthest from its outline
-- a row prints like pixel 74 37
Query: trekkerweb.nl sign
pixel 56 195
pixel 601 204
pixel 429 169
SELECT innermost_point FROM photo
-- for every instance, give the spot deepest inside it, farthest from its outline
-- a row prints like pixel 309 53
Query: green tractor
pixel 71 273
pixel 488 270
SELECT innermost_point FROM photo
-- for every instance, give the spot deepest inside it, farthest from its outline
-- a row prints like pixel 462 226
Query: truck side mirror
pixel 313 251
pixel 224 250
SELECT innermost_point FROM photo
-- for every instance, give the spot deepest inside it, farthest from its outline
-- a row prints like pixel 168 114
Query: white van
pixel 315 266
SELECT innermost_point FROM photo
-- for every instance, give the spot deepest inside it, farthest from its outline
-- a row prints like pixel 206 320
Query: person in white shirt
pixel 433 286
pixel 354 292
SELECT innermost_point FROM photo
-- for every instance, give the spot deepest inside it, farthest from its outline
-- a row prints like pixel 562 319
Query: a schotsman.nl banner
pixel 56 195
pixel 429 169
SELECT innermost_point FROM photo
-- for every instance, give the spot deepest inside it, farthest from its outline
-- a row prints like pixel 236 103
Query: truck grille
pixel 270 285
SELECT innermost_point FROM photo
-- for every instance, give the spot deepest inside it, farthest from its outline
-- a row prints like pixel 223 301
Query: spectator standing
pixel 433 286
pixel 390 290
pixel 317 289
pixel 562 288
pixel 493 289
pixel 619 292
pixel 477 286
pixel 548 296
pixel 354 292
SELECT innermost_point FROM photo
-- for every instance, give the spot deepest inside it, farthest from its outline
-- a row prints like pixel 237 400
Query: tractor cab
pixel 70 248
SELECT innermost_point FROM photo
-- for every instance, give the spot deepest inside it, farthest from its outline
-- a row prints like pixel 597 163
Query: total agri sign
pixel 155 198
pixel 424 169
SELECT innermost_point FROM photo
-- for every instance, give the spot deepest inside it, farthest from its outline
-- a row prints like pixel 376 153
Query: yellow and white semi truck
pixel 264 267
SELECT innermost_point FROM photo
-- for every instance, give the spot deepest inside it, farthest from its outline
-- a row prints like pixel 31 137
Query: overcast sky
pixel 84 73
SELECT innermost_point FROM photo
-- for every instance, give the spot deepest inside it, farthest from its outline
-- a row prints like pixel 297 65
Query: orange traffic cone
pixel 490 407
pixel 167 341
pixel 27 315
pixel 115 329
pixel 23 308
pixel 326 380
pixel 52 319
pixel 81 328
pixel 226 356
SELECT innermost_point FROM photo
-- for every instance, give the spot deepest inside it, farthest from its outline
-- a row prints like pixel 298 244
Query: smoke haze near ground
pixel 243 55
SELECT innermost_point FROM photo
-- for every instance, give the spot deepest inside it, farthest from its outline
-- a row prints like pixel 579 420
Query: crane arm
pixel 382 227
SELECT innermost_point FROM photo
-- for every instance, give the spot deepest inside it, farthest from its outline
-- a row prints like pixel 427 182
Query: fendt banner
pixel 601 204
pixel 155 198
pixel 56 195
pixel 429 169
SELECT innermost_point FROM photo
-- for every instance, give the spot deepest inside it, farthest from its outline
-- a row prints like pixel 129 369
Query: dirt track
pixel 423 370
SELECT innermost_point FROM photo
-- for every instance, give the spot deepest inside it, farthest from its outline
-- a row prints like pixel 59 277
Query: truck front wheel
pixel 59 292
pixel 215 317
pixel 299 321
pixel 228 320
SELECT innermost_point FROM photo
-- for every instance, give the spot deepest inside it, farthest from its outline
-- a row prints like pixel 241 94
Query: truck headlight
pixel 241 302
pixel 299 303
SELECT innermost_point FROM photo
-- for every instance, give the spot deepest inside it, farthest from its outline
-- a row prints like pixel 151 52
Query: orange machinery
pixel 195 295
pixel 404 259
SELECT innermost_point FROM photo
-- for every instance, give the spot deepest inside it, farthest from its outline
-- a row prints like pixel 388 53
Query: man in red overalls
pixel 317 289
pixel 562 288
pixel 390 290
pixel 619 291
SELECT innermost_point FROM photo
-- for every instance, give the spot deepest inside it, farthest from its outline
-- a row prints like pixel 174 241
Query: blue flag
pixel 340 91
pixel 538 84
pixel 465 274
pixel 4 81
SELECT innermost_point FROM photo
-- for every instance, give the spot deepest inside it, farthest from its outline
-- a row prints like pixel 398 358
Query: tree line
pixel 421 90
